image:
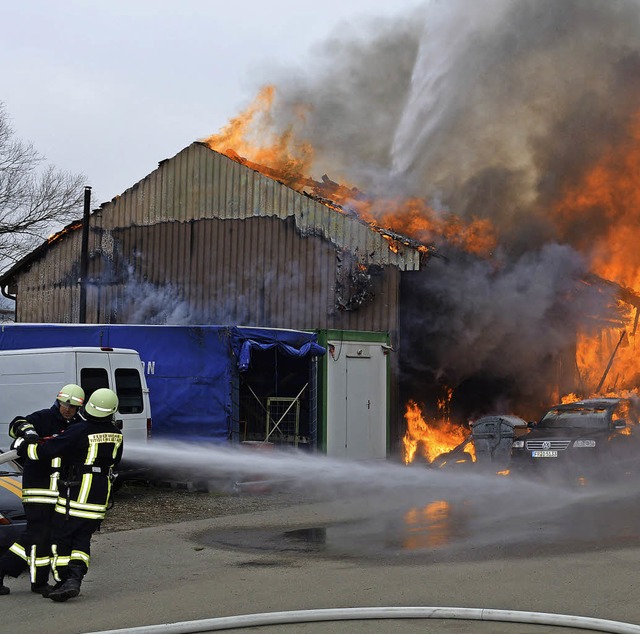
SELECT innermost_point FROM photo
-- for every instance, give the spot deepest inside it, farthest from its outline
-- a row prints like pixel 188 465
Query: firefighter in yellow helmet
pixel 89 450
pixel 39 490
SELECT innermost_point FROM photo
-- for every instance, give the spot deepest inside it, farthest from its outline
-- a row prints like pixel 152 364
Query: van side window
pixel 92 379
pixel 129 390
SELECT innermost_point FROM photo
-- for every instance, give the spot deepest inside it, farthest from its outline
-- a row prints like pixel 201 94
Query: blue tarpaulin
pixel 293 343
pixel 189 369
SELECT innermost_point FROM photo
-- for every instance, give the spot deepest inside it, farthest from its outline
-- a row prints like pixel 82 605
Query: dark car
pixel 592 436
pixel 12 519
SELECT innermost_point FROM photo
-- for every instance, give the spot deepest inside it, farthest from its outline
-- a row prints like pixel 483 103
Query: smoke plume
pixel 489 110
pixel 486 108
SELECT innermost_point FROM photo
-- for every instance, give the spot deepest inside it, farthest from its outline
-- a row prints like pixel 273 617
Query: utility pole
pixel 84 256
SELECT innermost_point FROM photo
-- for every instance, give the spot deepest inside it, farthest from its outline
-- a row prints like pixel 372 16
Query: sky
pixel 110 89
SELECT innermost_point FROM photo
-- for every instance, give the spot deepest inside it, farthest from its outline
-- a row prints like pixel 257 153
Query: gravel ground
pixel 139 504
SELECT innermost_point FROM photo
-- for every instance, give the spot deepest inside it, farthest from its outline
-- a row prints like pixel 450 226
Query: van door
pixel 120 371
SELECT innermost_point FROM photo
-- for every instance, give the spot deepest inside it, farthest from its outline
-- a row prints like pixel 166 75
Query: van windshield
pixel 577 418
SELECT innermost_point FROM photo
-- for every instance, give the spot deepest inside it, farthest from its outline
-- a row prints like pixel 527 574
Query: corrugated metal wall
pixel 200 183
pixel 255 272
pixel 204 239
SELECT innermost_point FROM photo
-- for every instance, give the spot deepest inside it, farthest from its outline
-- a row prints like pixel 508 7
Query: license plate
pixel 544 454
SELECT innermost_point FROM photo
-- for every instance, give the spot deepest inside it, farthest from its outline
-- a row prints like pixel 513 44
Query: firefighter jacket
pixel 89 449
pixel 40 479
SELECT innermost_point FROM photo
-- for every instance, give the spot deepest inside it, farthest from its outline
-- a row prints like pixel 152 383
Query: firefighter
pixel 39 491
pixel 89 450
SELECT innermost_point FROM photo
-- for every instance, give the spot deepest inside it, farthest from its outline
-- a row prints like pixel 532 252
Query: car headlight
pixel 518 444
pixel 584 443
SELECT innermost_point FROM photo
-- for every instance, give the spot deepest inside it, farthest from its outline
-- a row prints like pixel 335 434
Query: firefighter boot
pixel 42 588
pixel 49 589
pixel 3 588
pixel 71 586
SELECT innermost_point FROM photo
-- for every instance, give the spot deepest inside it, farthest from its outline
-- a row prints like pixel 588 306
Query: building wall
pixel 199 183
pixel 204 239
pixel 254 272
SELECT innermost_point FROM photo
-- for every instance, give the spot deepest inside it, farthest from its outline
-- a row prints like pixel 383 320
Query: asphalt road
pixel 579 555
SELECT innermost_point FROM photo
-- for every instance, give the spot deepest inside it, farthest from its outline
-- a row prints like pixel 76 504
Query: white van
pixel 30 381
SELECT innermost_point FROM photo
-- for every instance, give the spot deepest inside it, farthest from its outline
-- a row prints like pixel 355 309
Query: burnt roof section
pixel 426 251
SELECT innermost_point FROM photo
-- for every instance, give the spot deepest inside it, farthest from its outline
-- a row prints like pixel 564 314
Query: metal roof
pixel 199 183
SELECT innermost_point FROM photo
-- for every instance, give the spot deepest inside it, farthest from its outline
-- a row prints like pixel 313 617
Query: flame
pixel 429 440
pixel 250 140
pixel 414 218
pixel 64 231
pixel 608 196
pixel 606 361
pixel 598 212
pixel 600 215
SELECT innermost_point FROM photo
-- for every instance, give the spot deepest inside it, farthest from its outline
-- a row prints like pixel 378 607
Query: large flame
pixel 430 439
pixel 600 215
pixel 249 139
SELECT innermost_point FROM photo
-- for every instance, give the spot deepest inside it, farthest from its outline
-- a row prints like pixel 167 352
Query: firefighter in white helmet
pixel 89 450
pixel 39 491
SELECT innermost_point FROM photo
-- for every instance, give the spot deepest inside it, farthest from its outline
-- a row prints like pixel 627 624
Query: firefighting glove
pixel 24 429
pixel 21 445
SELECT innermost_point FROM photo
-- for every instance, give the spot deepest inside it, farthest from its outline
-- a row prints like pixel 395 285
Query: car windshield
pixel 576 418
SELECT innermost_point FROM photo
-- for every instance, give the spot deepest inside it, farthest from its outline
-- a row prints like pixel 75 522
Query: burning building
pixel 206 239
pixel 504 134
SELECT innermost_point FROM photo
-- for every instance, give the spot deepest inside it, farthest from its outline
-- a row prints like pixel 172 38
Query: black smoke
pixel 486 110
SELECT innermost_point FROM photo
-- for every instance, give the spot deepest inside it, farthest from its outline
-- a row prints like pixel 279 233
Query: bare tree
pixel 34 199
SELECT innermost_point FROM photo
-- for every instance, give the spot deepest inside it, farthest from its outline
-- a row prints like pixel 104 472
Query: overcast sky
pixel 110 89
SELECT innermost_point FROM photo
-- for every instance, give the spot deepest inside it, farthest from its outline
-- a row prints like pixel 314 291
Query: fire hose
pixel 359 614
pixel 7 456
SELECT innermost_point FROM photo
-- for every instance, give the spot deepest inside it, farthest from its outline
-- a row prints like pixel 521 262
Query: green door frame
pixel 356 336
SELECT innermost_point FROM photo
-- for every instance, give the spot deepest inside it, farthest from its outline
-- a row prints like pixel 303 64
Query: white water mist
pixel 434 97
pixel 392 485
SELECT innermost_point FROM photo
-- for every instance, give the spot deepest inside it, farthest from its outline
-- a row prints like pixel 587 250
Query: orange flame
pixel 249 139
pixel 600 215
pixel 429 440
pixel 74 226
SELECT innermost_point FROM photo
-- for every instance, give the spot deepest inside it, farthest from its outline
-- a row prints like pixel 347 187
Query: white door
pixel 121 372
pixel 356 400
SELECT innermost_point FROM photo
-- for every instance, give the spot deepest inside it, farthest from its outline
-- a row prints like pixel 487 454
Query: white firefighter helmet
pixel 71 394
pixel 102 403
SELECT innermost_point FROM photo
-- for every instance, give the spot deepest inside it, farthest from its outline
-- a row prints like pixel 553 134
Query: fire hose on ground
pixel 377 613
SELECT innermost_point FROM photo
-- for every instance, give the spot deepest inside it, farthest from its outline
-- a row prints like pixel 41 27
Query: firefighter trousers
pixel 71 544
pixel 33 550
